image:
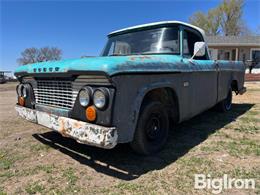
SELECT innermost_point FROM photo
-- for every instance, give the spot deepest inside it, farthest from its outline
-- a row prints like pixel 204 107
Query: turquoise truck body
pixel 190 85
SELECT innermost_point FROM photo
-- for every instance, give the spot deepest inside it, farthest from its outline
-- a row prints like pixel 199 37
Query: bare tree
pixel 29 55
pixel 32 55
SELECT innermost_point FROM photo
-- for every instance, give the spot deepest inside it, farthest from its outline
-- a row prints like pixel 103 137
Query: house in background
pixel 241 48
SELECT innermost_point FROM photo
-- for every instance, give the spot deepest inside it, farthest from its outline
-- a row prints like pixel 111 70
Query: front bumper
pixel 82 132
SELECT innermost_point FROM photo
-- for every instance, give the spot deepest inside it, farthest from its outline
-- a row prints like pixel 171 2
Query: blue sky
pixel 80 27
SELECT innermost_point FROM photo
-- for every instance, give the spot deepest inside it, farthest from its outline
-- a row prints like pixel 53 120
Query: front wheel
pixel 152 129
pixel 226 104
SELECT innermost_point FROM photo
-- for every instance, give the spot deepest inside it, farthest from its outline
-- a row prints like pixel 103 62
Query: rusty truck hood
pixel 111 65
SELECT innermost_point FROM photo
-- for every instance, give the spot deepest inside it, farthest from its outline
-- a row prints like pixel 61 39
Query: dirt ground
pixel 36 160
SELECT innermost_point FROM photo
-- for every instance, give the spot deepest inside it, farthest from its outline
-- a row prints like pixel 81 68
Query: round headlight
pixel 24 92
pixel 84 96
pixel 100 98
pixel 19 90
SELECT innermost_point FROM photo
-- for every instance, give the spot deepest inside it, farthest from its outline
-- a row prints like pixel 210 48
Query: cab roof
pixel 156 24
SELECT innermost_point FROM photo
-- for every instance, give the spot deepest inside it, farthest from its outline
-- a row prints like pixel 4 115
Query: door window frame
pixel 184 28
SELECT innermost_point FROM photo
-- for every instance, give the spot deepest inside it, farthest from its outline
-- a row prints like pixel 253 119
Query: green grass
pixel 239 172
pixel 249 119
pixel 33 188
pixel 6 162
pixel 253 113
pixel 234 146
pixel 2 191
pixel 46 168
pixel 247 128
pixel 237 148
pixel 35 170
pixel 70 176
pixel 40 147
pixel 5 175
pixel 132 187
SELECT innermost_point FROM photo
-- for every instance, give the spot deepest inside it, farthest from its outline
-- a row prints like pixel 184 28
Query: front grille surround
pixel 57 93
pixel 62 92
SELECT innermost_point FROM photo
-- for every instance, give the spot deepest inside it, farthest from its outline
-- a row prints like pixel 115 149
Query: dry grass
pixel 35 160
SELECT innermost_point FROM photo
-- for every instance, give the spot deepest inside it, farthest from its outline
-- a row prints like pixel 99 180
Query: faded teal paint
pixel 119 64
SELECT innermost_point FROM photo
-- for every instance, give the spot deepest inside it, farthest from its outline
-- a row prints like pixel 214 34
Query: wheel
pixel 152 129
pixel 226 104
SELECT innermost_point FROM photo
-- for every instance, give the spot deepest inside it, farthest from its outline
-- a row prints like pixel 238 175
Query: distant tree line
pixel 225 19
pixel 33 55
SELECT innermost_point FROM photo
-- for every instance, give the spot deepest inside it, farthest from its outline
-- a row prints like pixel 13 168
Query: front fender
pixel 135 109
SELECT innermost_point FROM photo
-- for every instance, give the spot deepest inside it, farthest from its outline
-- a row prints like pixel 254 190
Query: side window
pixel 189 39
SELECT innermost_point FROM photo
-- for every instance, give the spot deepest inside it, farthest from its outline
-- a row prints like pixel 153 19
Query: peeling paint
pixel 26 113
pixel 82 132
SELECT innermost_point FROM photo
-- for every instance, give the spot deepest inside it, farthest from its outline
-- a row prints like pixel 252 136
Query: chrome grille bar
pixel 56 93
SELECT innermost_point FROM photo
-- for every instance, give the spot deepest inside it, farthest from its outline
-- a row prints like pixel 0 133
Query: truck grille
pixel 55 93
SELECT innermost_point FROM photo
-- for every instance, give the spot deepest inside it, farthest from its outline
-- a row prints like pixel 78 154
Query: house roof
pixel 233 40
pixel 156 24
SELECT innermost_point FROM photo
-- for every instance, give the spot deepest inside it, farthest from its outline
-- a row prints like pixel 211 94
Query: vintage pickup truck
pixel 147 77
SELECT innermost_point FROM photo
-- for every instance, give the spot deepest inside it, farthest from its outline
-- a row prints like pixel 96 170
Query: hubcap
pixel 153 126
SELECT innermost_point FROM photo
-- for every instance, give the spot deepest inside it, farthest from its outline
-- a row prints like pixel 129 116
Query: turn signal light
pixel 91 113
pixel 21 101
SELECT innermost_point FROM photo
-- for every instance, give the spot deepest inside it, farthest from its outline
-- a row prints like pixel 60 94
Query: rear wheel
pixel 226 104
pixel 152 129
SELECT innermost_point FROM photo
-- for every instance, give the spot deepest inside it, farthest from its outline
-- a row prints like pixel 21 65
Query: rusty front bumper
pixel 82 132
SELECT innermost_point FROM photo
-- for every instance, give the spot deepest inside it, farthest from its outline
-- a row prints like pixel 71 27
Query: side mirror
pixel 199 49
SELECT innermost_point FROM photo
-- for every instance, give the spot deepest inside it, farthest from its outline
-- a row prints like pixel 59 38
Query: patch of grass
pixel 126 188
pixel 46 168
pixel 35 170
pixel 33 188
pixel 239 172
pixel 194 162
pixel 70 176
pixel 40 147
pixel 129 186
pixel 5 161
pixel 9 158
pixel 2 191
pixel 187 167
pixel 6 175
pixel 247 128
pixel 249 119
pixel 239 148
pixel 253 113
pixel 210 148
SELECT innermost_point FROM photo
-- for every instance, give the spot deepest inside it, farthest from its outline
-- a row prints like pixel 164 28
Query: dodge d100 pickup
pixel 147 77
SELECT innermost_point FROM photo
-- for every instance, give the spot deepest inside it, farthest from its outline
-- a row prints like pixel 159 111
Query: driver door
pixel 203 74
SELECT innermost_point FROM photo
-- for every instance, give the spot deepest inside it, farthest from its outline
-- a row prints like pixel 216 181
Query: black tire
pixel 226 104
pixel 152 129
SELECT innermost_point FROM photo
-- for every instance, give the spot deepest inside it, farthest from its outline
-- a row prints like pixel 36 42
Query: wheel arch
pixel 163 92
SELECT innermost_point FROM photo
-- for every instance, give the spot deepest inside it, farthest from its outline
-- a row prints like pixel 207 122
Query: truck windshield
pixel 153 41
